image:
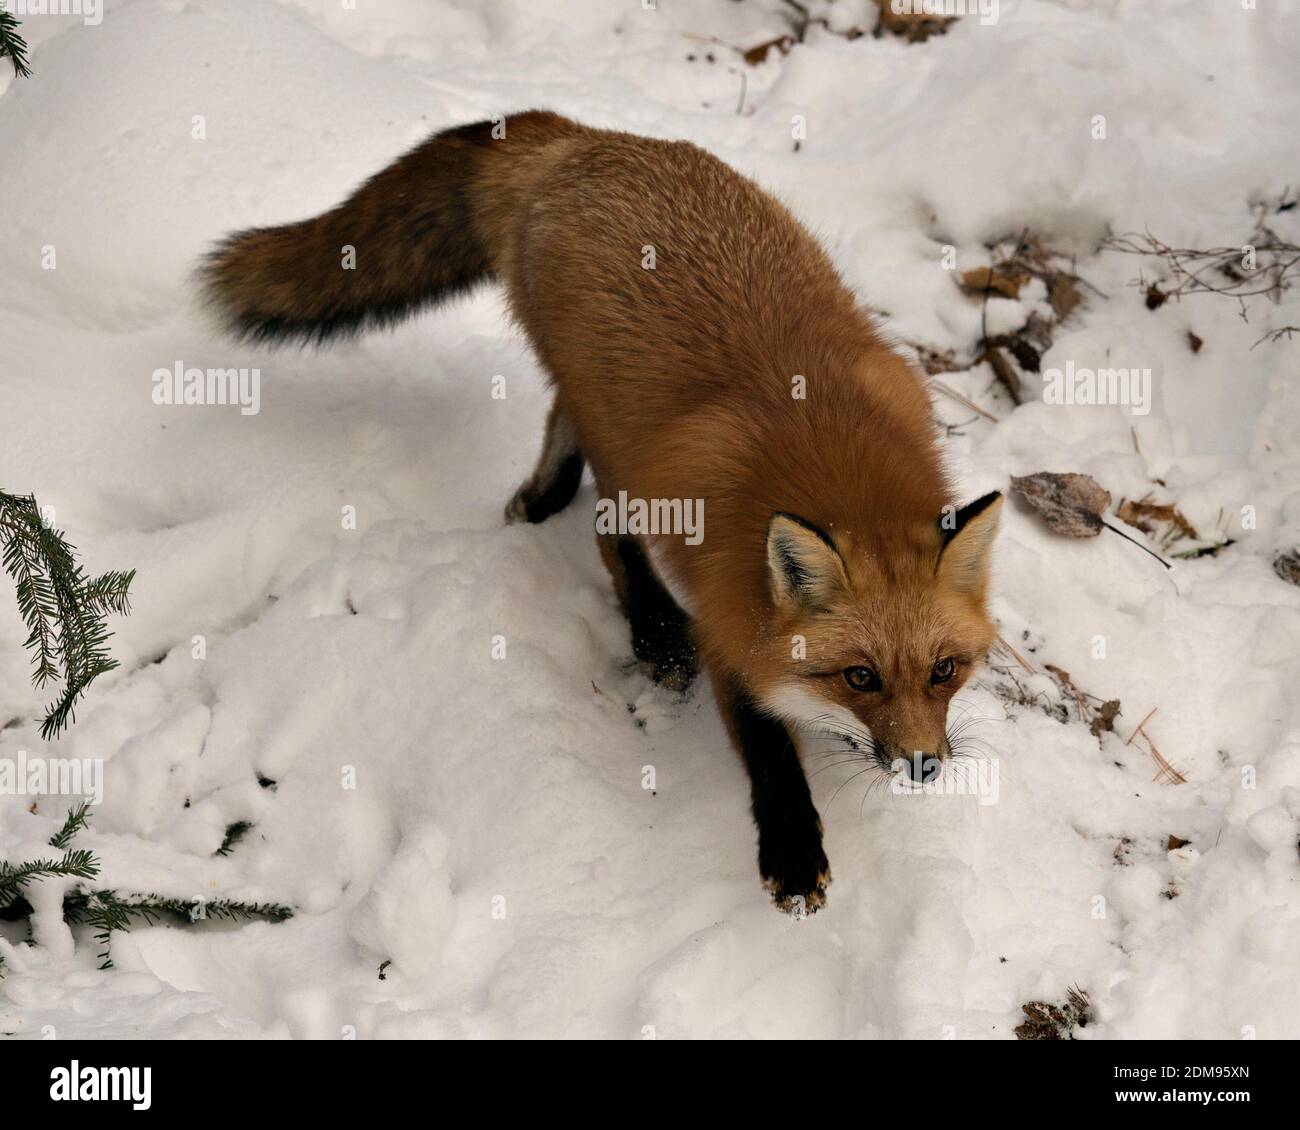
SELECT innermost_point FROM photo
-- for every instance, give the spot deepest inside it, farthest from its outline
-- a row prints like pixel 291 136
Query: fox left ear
pixel 967 536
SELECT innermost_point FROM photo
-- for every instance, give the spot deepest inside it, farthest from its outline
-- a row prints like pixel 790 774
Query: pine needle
pixel 64 610
pixel 75 821
pixel 106 911
pixel 12 45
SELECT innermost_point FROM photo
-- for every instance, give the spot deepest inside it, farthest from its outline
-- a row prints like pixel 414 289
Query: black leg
pixel 557 477
pixel 790 856
pixel 661 631
pixel 539 502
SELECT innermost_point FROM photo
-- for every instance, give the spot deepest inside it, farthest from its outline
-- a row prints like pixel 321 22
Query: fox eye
pixel 862 678
pixel 943 671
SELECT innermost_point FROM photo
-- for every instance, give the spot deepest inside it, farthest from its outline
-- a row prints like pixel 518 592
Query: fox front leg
pixel 790 856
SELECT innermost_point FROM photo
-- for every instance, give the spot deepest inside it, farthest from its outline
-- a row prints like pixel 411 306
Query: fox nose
pixel 921 767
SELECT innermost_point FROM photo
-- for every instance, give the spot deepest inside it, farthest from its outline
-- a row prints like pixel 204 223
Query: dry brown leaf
pixel 756 55
pixel 1175 843
pixel 1070 504
pixel 1104 718
pixel 1144 514
pixel 1027 357
pixel 997 280
pixel 1047 1021
pixel 1002 369
pixel 1067 684
pixel 1100 718
pixel 936 360
pixel 1063 295
pixel 914 27
pixel 1287 565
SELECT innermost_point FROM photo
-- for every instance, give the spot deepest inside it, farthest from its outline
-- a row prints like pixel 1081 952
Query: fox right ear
pixel 804 567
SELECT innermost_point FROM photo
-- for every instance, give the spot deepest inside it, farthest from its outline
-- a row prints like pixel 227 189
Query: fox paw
pixel 665 652
pixel 798 886
pixel 800 903
pixel 676 672
pixel 517 507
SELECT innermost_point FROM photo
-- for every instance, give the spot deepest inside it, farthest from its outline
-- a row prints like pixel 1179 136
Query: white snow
pixel 498 847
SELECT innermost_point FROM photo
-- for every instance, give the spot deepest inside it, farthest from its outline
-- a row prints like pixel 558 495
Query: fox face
pixel 871 641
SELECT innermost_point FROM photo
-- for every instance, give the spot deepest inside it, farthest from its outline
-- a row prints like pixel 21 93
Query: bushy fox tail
pixel 421 231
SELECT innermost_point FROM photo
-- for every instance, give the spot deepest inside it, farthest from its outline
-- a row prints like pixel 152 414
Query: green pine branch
pixel 64 610
pixel 12 44
pixel 76 820
pixel 104 914
pixel 234 833
pixel 76 863
pixel 106 911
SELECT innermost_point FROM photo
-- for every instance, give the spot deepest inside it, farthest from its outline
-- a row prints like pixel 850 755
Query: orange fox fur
pixel 736 369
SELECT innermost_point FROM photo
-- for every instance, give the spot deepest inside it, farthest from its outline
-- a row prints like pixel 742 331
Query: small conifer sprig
pixel 76 863
pixel 64 610
pixel 105 911
pixel 75 821
pixel 12 45
pixel 234 833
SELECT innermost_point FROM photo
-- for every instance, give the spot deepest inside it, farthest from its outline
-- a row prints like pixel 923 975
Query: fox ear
pixel 804 567
pixel 967 537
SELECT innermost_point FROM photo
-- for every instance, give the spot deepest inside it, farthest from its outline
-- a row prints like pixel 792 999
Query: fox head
pixel 872 638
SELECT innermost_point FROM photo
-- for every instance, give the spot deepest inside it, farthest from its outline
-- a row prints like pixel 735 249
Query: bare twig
pixel 1219 270
pixel 953 394
pixel 1278 335
pixel 1138 728
pixel 1016 655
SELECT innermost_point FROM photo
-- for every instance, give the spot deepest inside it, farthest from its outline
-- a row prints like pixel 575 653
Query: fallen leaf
pixel 1143 513
pixel 936 361
pixel 1027 357
pixel 1070 504
pixel 1194 341
pixel 1287 565
pixel 1104 719
pixel 997 280
pixel 1047 1021
pixel 1175 843
pixel 756 55
pixel 1002 369
pixel 915 27
pixel 1063 295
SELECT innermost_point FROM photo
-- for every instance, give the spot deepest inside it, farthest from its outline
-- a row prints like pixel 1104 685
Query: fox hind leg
pixel 558 474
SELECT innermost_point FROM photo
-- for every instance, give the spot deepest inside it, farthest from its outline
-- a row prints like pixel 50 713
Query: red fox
pixel 701 346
